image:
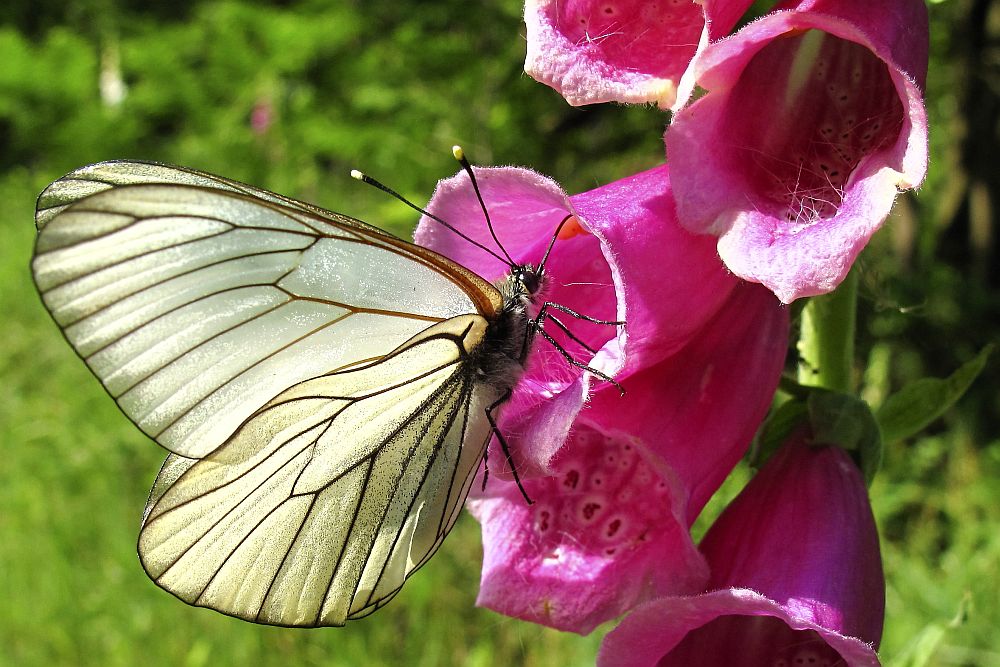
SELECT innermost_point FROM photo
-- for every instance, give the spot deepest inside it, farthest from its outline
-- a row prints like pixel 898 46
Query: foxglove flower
pixel 621 50
pixel 796 577
pixel 609 527
pixel 812 120
pixel 262 116
pixel 626 258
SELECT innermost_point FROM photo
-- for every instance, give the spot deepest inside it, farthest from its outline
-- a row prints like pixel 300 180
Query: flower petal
pixel 726 627
pixel 620 50
pixel 605 533
pixel 699 408
pixel 672 280
pixel 524 206
pixel 797 187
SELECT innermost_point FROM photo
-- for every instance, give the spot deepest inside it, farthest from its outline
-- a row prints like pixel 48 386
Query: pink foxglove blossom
pixel 609 527
pixel 262 116
pixel 796 577
pixel 812 121
pixel 621 50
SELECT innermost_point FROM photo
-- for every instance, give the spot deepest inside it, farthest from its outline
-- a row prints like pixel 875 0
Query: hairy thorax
pixel 510 334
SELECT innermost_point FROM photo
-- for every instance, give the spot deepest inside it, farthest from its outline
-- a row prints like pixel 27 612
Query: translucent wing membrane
pixel 319 506
pixel 316 380
pixel 95 178
pixel 195 300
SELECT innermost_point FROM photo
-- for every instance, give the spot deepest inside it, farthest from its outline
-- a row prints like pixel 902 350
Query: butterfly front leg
pixel 537 327
pixel 503 445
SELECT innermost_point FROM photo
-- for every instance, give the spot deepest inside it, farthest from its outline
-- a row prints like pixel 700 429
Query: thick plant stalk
pixel 826 338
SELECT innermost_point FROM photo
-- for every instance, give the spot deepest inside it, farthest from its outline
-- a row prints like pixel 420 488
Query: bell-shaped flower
pixel 796 577
pixel 609 525
pixel 621 50
pixel 621 257
pixel 606 532
pixel 812 120
pixel 609 529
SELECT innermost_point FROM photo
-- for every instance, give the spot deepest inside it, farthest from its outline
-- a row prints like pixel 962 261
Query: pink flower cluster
pixel 810 121
pixel 812 118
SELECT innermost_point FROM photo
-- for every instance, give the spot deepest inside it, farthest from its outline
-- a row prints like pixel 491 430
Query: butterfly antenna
pixel 460 156
pixel 555 235
pixel 365 178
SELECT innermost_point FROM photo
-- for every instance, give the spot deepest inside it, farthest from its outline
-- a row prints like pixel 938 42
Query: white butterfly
pixel 325 389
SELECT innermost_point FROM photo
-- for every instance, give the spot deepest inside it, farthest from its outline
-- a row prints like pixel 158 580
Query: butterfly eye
pixel 531 279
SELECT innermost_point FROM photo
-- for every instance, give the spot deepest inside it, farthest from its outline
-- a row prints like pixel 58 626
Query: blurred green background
pixel 291 95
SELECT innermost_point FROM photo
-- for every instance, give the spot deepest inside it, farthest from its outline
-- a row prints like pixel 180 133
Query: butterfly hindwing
pixel 325 500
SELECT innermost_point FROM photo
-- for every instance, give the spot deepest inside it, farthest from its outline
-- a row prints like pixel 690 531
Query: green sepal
pixel 847 422
pixel 776 429
pixel 919 403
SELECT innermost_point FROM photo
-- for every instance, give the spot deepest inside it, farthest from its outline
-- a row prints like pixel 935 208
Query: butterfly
pixel 326 390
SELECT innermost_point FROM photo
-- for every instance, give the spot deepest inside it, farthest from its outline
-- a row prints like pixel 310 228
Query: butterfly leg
pixel 543 315
pixel 559 323
pixel 569 311
pixel 486 466
pixel 503 445
pixel 579 364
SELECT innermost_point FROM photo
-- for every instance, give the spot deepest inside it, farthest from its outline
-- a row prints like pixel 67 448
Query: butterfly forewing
pixel 312 376
pixel 194 307
pixel 102 176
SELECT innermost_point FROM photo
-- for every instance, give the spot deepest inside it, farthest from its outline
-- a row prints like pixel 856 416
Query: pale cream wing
pixel 101 176
pixel 198 300
pixel 326 499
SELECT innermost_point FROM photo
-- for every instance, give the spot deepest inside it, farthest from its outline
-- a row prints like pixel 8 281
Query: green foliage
pixel 923 647
pixel 918 404
pixel 388 87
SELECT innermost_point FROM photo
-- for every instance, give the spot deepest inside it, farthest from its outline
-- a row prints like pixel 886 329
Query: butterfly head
pixel 529 279
pixel 522 290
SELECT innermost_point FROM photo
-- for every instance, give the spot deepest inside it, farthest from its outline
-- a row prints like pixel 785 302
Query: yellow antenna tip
pixel 357 175
pixel 458 153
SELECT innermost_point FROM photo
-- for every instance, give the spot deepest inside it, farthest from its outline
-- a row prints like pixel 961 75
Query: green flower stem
pixel 826 339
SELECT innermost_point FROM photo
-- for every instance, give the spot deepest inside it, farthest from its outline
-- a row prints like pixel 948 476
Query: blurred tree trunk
pixel 970 206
